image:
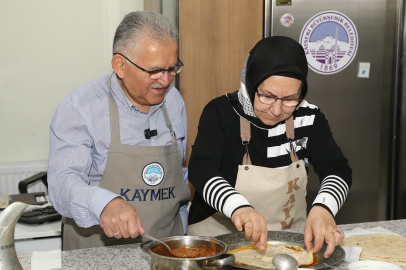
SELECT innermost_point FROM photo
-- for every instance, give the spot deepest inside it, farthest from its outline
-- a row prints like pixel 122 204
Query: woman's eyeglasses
pixel 287 102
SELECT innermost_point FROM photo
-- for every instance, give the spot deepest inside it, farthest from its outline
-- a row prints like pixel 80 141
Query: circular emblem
pixel 330 41
pixel 287 20
pixel 153 174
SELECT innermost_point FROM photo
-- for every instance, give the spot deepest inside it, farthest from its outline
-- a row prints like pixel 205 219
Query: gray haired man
pixel 118 144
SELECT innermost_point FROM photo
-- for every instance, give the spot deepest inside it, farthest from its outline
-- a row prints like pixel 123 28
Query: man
pixel 118 142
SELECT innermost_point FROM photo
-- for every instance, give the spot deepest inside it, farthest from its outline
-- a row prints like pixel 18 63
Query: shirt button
pixel 297 165
pixel 246 168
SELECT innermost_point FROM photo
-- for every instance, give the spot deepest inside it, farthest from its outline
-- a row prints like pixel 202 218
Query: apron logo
pixel 153 174
pixel 292 187
pixel 147 194
pixel 330 41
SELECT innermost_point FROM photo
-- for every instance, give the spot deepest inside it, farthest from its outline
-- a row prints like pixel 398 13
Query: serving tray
pixel 237 240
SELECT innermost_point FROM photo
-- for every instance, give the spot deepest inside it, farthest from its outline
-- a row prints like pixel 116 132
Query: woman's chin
pixel 270 121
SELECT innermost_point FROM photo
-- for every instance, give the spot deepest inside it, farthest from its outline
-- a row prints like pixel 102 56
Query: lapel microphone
pixel 150 133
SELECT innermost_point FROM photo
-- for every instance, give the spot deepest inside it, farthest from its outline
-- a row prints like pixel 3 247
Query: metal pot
pixel 214 262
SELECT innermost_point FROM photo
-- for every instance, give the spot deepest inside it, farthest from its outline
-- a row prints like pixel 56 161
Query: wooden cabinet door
pixel 215 38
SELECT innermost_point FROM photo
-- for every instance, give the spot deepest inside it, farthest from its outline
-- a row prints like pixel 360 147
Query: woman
pixel 269 124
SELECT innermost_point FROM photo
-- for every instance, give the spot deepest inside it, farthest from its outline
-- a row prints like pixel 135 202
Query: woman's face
pixel 276 87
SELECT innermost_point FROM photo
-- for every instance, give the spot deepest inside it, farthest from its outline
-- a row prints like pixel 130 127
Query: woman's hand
pixel 321 224
pixel 254 224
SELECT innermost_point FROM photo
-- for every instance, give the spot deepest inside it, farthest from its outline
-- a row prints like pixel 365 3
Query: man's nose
pixel 166 79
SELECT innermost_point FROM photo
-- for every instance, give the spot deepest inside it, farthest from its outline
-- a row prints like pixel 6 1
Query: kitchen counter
pixel 132 257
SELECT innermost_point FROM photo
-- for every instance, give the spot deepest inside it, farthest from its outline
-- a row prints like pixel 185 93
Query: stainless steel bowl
pixel 214 262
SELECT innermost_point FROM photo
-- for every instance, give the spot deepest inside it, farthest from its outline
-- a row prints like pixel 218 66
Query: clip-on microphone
pixel 150 133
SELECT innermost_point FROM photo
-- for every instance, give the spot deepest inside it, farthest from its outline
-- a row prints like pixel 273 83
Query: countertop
pixel 132 257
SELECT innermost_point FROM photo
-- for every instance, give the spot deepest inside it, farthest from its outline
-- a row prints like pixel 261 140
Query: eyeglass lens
pixel 156 74
pixel 271 100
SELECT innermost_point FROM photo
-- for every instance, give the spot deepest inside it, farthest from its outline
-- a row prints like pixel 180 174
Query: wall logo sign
pixel 330 41
pixel 153 174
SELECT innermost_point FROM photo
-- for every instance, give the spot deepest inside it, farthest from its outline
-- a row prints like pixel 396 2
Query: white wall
pixel 47 49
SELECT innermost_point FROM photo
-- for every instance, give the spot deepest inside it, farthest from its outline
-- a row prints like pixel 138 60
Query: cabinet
pixel 215 38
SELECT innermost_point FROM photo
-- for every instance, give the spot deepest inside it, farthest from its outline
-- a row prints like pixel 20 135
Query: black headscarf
pixel 281 56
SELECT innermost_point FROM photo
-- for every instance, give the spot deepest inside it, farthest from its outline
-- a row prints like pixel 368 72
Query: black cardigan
pixel 218 151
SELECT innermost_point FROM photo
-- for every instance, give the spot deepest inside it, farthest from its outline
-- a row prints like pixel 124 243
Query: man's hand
pixel 121 220
pixel 321 224
pixel 254 224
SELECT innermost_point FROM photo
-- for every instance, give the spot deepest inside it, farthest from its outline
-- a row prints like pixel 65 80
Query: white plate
pixel 372 265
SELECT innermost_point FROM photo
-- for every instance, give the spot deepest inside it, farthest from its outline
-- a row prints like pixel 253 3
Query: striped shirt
pixel 80 137
pixel 218 151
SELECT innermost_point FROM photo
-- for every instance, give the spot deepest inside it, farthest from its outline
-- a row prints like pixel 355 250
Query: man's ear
pixel 118 64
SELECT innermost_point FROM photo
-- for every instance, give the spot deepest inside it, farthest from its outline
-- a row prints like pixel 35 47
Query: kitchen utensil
pixel 157 240
pixel 8 220
pixel 214 262
pixel 285 262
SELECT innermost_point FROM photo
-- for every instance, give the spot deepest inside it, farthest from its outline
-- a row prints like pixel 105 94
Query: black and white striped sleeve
pixel 220 195
pixel 332 193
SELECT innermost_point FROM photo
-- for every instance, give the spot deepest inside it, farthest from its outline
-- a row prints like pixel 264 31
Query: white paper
pixel 34 206
pixel 46 260
pixel 352 254
pixel 363 70
pixel 360 231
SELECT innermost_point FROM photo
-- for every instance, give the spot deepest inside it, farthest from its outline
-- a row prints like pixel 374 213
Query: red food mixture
pixel 187 251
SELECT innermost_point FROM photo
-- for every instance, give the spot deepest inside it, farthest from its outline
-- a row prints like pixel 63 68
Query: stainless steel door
pixel 359 110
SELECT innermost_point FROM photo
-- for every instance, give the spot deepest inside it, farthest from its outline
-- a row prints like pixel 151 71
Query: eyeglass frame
pixel 276 99
pixel 156 70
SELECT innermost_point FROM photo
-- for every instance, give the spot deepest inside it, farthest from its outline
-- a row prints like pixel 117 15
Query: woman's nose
pixel 276 108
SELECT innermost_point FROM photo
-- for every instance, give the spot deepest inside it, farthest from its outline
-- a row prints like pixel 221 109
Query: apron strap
pixel 245 130
pixel 290 134
pixel 115 128
pixel 169 124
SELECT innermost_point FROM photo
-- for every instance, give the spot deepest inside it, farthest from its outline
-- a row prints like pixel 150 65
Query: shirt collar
pixel 119 93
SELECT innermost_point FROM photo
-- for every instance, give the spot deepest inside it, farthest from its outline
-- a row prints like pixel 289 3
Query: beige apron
pixel 278 194
pixel 149 178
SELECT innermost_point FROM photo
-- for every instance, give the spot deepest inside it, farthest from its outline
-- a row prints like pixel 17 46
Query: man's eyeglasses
pixel 158 73
pixel 287 102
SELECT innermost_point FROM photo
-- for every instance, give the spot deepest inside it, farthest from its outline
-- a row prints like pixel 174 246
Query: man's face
pixel 136 84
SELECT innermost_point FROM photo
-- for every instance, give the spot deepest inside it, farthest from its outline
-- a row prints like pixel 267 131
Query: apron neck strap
pixel 290 134
pixel 290 128
pixel 245 132
pixel 114 126
pixel 168 123
pixel 114 122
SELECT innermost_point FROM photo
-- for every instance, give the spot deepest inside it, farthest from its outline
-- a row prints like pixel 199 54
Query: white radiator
pixel 11 173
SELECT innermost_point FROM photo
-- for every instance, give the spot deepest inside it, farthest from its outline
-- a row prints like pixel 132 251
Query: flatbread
pixel 250 255
pixel 379 247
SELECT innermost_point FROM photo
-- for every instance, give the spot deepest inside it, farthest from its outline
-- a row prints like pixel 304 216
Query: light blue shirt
pixel 80 136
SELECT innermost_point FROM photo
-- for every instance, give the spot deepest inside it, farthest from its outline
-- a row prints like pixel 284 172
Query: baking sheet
pixel 237 240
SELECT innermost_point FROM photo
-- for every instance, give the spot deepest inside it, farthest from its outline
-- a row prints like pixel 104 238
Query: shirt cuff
pixel 233 202
pixel 327 200
pixel 98 202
